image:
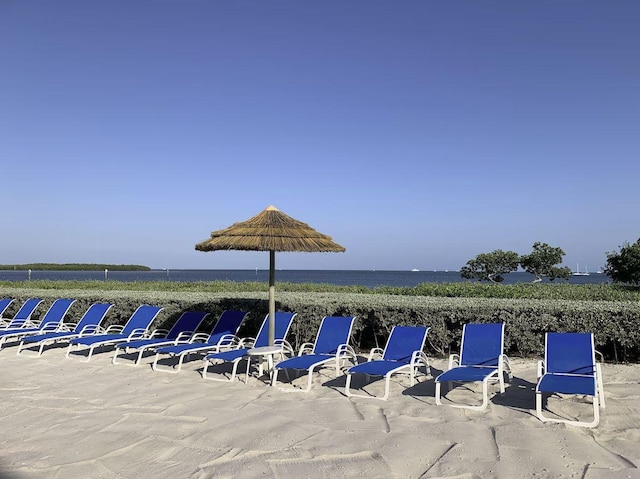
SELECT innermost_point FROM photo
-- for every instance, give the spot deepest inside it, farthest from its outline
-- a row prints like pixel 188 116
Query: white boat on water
pixel 577 272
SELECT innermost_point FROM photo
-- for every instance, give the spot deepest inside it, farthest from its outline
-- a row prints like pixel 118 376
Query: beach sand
pixel 63 418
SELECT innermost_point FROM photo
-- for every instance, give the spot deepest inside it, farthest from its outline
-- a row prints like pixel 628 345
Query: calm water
pixel 337 277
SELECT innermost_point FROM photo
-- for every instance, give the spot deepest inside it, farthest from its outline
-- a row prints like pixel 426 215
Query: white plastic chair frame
pixel 504 366
pixel 245 343
pixel 343 353
pixel 29 324
pixel 418 358
pixel 88 330
pixel 597 400
pixel 182 337
pixel 228 341
pixel 139 333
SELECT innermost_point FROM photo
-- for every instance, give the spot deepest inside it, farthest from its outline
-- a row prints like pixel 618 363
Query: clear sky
pixel 416 133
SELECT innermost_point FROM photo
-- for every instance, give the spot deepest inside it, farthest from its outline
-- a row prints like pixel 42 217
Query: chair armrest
pixel 504 364
pixel 229 340
pixel 286 346
pixel 454 360
pixel 599 355
pixel 375 352
pixel 346 351
pixel 184 337
pixel 306 348
pixel 67 326
pixel 417 358
pixel 90 329
pixel 247 342
pixel 157 333
pixel 50 327
pixel 199 338
pixel 138 334
pixel 540 368
pixel 114 328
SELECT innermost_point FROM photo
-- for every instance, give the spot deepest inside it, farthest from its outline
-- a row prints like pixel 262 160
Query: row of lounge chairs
pixel 569 365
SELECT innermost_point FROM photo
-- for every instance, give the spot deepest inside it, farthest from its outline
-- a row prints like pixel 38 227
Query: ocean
pixel 366 278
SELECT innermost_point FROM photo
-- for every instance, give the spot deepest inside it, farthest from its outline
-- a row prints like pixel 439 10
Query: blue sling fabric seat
pixel 51 321
pixel 402 353
pixel 481 359
pixel 135 328
pixel 89 324
pixel 234 356
pixel 570 367
pixel 331 344
pixel 23 315
pixel 181 331
pixel 4 304
pixel 223 335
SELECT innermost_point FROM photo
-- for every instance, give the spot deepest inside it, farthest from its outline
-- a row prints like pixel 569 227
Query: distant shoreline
pixel 73 267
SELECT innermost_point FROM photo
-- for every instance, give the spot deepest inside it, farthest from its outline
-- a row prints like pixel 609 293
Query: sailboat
pixel 578 273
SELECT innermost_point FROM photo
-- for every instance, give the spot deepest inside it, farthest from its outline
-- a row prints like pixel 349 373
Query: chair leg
pixel 293 389
pixel 347 384
pixel 174 370
pixel 223 379
pixel 600 386
pixel 594 423
pixel 480 407
pixel 348 392
pixel 438 400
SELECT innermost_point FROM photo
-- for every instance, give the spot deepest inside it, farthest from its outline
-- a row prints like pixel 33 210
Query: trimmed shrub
pixel 615 324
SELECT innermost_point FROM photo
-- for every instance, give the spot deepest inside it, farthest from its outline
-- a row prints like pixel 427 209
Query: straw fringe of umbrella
pixel 270 230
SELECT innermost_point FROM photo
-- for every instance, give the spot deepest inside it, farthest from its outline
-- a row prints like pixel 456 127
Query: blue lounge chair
pixel 135 328
pixel 570 367
pixel 223 335
pixel 89 324
pixel 4 304
pixel 481 359
pixel 183 329
pixel 23 315
pixel 282 324
pixel 402 353
pixel 51 321
pixel 332 344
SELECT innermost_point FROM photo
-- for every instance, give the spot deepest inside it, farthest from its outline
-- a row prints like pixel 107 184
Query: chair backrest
pixel 93 316
pixel 283 323
pixel 141 318
pixel 188 321
pixel 228 323
pixel 55 314
pixel 334 331
pixel 24 313
pixel 482 344
pixel 403 341
pixel 4 304
pixel 569 353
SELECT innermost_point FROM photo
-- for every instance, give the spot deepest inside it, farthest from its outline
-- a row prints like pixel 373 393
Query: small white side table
pixel 264 352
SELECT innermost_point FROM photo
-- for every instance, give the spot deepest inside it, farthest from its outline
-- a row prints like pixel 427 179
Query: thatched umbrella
pixel 270 231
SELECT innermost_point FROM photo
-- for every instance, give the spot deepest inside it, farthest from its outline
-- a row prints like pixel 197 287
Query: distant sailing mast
pixel 578 273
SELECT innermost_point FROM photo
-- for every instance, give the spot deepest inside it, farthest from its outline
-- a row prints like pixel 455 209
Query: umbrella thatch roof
pixel 270 230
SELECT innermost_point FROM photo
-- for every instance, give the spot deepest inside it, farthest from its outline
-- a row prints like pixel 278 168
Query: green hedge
pixel 615 324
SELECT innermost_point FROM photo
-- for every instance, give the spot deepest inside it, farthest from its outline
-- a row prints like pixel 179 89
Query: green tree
pixel 491 266
pixel 542 261
pixel 624 266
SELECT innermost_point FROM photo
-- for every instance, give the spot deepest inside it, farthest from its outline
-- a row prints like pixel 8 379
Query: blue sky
pixel 417 134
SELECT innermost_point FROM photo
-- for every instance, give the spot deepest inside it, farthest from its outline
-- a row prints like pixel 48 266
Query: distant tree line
pixel 622 266
pixel 74 267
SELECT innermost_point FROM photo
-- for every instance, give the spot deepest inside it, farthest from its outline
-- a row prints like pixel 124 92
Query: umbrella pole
pixel 272 299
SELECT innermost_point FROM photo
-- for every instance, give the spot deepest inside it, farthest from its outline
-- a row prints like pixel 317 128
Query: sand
pixel 63 418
